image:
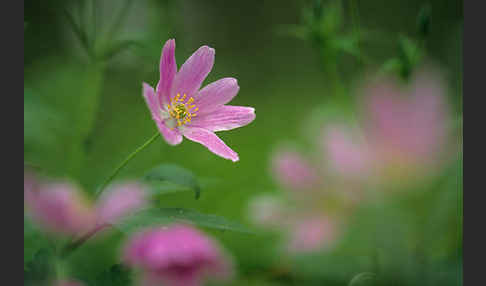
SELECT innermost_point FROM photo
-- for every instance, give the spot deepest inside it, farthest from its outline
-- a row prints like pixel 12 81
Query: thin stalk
pixel 356 26
pixel 125 162
pixel 77 243
pixel 74 244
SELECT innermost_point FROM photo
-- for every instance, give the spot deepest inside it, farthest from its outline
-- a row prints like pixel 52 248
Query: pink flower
pixel 177 255
pixel 407 126
pixel 68 283
pixel 119 201
pixel 312 233
pixel 61 208
pixel 293 171
pixel 348 156
pixel 179 108
pixel 58 207
pixel 266 211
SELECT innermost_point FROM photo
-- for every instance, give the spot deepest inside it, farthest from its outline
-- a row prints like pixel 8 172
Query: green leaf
pixel 33 241
pixel 174 174
pixel 409 54
pixel 393 65
pixel 424 19
pixel 363 279
pixel 298 31
pixel 347 44
pixel 40 269
pixel 118 47
pixel 117 275
pixel 163 216
pixel 79 33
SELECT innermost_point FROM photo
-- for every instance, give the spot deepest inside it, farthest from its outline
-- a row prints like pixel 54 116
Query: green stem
pixel 356 26
pixel 122 164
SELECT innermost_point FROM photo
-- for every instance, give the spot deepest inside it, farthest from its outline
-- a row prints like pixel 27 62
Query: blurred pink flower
pixel 61 208
pixel 407 126
pixel 68 283
pixel 58 207
pixel 179 108
pixel 177 255
pixel 347 156
pixel 266 211
pixel 120 200
pixel 311 233
pixel 293 171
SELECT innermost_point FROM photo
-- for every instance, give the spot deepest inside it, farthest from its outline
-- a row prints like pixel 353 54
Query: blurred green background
pixel 83 116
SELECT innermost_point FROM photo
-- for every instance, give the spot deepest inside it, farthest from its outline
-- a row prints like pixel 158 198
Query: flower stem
pixel 122 164
pixel 70 247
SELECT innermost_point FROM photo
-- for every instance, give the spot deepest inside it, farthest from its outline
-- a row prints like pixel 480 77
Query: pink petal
pixel 60 208
pixel 152 101
pixel 193 72
pixel 69 282
pixel 211 141
pixel 294 171
pixel 119 201
pixel 226 117
pixel 216 94
pixel 346 156
pixel 312 233
pixel 177 255
pixel 171 136
pixel 168 70
pixel 266 210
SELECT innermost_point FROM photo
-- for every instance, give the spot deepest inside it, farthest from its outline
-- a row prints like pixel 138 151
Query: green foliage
pixel 409 57
pixel 174 174
pixel 363 279
pixel 116 275
pixel 40 270
pixel 423 20
pixel 33 241
pixel 164 216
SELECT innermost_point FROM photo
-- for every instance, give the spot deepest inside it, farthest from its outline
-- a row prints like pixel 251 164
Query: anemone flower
pixel 58 207
pixel 180 108
pixel 176 255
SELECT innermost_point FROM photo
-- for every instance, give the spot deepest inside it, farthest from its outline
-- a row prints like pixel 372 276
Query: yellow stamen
pixel 180 109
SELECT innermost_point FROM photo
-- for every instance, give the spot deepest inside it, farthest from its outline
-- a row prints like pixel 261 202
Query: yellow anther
pixel 181 111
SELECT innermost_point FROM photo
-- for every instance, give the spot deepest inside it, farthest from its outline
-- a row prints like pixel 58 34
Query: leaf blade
pixel 164 216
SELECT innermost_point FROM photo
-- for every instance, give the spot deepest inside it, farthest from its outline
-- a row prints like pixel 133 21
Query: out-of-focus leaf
pixel 33 241
pixel 174 174
pixel 297 31
pixel 80 34
pixel 423 20
pixel 117 275
pixel 163 216
pixel 166 187
pixel 390 66
pixel 39 271
pixel 332 19
pixel 347 44
pixel 363 279
pixel 118 47
pixel 409 54
pixel 41 123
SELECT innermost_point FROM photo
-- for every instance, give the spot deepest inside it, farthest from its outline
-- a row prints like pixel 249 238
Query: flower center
pixel 180 110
